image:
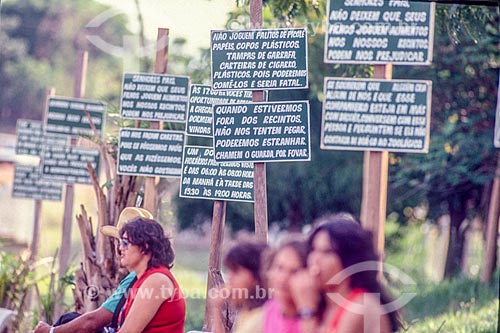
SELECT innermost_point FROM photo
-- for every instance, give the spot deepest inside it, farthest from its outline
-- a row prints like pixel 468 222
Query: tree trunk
pixel 457 204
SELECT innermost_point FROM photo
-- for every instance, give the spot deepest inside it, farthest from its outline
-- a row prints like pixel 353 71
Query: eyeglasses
pixel 124 242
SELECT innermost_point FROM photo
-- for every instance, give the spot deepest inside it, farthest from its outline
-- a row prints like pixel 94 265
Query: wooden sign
pixel 144 152
pixel 30 138
pixel 28 184
pixel 376 115
pixel 68 164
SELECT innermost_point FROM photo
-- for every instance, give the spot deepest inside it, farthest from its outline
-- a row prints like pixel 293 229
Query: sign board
pixel 68 164
pixel 201 100
pixel 262 132
pixel 154 97
pixel 376 115
pixel 203 178
pixel 259 59
pixel 379 32
pixel 150 152
pixel 29 185
pixel 30 138
pixel 66 116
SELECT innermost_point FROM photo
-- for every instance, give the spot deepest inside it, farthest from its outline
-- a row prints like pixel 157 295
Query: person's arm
pixel 306 296
pixel 89 322
pixel 153 292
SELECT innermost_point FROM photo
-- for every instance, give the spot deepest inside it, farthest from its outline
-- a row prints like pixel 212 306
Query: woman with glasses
pixel 155 302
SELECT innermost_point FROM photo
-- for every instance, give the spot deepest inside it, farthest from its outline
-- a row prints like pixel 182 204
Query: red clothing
pixel 172 312
pixel 339 312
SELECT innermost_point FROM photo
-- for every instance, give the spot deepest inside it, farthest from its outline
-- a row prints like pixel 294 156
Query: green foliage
pixel 465 76
pixel 39 41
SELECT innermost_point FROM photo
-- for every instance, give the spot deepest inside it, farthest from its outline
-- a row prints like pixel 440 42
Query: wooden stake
pixel 492 229
pixel 161 62
pixel 375 176
pixel 65 250
pixel 260 187
pixel 215 259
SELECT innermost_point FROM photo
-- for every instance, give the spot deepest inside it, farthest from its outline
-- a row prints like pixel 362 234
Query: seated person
pixel 155 303
pixel 107 313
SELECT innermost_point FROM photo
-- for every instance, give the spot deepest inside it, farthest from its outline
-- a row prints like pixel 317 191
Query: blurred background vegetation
pixel 435 199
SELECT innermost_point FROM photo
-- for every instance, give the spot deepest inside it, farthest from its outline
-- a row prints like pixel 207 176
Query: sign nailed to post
pixel 30 138
pixel 66 116
pixel 259 59
pixel 68 164
pixel 262 132
pixel 203 178
pixel 379 32
pixel 150 152
pixel 201 100
pixel 376 115
pixel 29 185
pixel 154 97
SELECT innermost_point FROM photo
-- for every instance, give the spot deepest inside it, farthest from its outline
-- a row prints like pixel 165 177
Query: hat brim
pixel 111 231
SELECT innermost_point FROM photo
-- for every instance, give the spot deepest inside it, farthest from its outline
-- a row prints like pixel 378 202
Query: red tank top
pixel 339 312
pixel 172 312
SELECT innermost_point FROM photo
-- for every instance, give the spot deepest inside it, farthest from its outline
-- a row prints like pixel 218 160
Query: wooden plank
pixel 161 63
pixel 493 221
pixel 375 177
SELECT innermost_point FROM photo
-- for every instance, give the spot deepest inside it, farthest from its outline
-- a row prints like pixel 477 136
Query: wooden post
pixel 161 62
pixel 260 190
pixel 35 239
pixel 215 259
pixel 492 228
pixel 65 250
pixel 375 176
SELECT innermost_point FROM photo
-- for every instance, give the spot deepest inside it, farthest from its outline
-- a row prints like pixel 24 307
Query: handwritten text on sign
pixel 260 132
pixel 68 164
pixel 154 97
pixel 379 32
pixel 150 152
pixel 203 178
pixel 29 185
pixel 30 138
pixel 360 114
pixel 201 100
pixel 259 59
pixel 66 116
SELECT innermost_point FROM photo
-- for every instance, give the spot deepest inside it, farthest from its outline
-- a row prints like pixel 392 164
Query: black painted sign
pixel 364 114
pixel 262 132
pixel 144 152
pixel 259 59
pixel 203 178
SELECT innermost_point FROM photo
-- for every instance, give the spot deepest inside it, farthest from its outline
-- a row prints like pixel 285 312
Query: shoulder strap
pixel 119 306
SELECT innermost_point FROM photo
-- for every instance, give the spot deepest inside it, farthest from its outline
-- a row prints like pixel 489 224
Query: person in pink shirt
pixel 280 312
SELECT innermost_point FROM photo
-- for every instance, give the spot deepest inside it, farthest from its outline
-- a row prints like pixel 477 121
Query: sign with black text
pixel 201 100
pixel 66 116
pixel 155 97
pixel 153 153
pixel 203 178
pixel 68 164
pixel 262 132
pixel 259 59
pixel 29 185
pixel 378 115
pixel 379 32
pixel 30 138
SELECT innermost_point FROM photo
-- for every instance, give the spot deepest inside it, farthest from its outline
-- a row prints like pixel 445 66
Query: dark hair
pixel 248 255
pixel 354 245
pixel 298 245
pixel 150 237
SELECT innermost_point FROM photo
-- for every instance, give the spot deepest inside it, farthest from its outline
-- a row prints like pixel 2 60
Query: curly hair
pixel 150 237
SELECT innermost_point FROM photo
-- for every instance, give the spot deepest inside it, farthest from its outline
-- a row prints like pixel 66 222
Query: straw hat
pixel 128 214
